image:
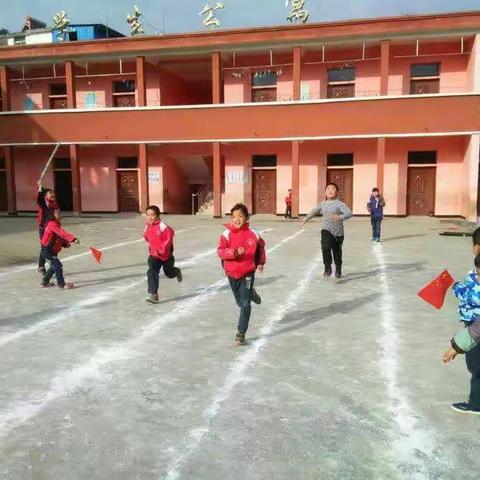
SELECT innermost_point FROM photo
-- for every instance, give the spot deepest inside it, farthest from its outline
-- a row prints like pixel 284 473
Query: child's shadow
pixel 396 267
pixel 305 319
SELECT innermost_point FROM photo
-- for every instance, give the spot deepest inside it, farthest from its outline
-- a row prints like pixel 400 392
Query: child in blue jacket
pixel 467 341
pixel 375 208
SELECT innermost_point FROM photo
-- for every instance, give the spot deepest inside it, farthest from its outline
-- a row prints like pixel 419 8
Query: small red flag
pixel 434 293
pixel 97 254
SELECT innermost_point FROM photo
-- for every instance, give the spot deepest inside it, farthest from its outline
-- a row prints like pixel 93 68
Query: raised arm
pixel 316 211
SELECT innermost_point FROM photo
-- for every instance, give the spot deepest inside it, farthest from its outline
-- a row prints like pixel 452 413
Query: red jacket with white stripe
pixel 160 240
pixel 55 237
pixel 235 265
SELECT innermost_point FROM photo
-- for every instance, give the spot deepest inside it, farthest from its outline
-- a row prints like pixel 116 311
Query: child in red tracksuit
pixel 53 240
pixel 242 251
pixel 47 207
pixel 160 246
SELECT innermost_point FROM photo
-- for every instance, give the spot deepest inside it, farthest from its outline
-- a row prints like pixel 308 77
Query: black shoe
pixel 327 272
pixel 240 338
pixel 338 272
pixel 464 407
pixel 179 277
pixel 42 271
pixel 256 297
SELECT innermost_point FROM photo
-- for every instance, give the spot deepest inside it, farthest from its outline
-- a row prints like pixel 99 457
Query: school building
pixel 243 115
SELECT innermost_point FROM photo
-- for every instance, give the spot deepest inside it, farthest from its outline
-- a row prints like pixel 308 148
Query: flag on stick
pixel 97 254
pixel 434 293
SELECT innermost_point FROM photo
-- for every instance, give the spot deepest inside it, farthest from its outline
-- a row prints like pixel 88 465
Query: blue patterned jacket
pixel 468 293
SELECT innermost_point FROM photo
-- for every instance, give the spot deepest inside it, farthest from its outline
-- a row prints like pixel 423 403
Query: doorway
pixel 128 191
pixel 264 191
pixel 343 178
pixel 421 191
pixel 3 191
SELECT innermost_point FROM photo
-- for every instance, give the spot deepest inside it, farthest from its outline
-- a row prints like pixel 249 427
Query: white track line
pixel 237 371
pixel 65 382
pixel 410 438
pixel 33 266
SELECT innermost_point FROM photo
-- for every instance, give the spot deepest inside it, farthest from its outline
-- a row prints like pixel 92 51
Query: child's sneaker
pixel 180 276
pixel 256 298
pixel 42 271
pixel 240 338
pixel 338 272
pixel 152 298
pixel 47 285
pixel 68 286
pixel 327 272
pixel 464 407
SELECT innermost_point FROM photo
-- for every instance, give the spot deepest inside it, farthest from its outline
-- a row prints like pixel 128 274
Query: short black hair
pixel 47 190
pixel 477 261
pixel 333 185
pixel 476 236
pixel 155 209
pixel 240 206
pixel 375 190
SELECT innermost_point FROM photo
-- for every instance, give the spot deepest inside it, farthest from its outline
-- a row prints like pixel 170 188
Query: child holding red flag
pixel 242 252
pixel 53 240
pixel 47 208
pixel 160 246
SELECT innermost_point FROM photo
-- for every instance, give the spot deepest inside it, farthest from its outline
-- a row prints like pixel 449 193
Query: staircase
pixel 205 200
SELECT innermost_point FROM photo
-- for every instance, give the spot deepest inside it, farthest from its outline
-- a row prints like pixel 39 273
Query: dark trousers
pixel 331 245
pixel 55 267
pixel 242 291
pixel 376 227
pixel 288 212
pixel 154 267
pixel 41 259
pixel 473 364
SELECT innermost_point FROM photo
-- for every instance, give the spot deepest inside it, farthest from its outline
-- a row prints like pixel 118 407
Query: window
pixel 72 36
pixel 424 78
pixel 62 164
pixel 340 160
pixel 341 82
pixel 124 86
pixel 19 40
pixel 2 164
pixel 58 89
pixel 128 162
pixel 264 87
pixel 264 161
pixel 422 158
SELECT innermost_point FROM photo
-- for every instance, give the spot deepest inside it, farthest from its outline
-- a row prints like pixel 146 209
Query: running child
pixel 375 207
pixel 53 240
pixel 467 341
pixel 242 252
pixel 47 206
pixel 288 203
pixel 159 237
pixel 334 213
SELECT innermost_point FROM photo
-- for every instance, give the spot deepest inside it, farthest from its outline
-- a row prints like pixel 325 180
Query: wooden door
pixel 264 191
pixel 63 189
pixel 343 177
pixel 341 91
pixel 421 191
pixel 124 100
pixel 3 192
pixel 128 197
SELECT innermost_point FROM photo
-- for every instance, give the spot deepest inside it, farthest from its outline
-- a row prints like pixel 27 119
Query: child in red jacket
pixel 288 203
pixel 242 251
pixel 53 240
pixel 160 246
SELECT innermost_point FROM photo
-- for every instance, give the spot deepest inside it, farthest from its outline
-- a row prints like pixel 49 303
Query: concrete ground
pixel 340 380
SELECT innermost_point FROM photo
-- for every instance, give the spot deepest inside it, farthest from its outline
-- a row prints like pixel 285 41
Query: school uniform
pixel 375 207
pixel 46 210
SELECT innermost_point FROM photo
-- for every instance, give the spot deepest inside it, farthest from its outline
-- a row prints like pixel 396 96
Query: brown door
pixel 128 192
pixel 124 101
pixel 421 191
pixel 3 192
pixel 341 91
pixel 344 180
pixel 264 191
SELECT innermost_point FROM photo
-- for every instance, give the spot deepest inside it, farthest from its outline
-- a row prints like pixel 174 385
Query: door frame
pixel 431 166
pixel 117 183
pixel 256 169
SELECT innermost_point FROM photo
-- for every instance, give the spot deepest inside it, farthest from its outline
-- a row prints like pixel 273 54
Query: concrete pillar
pixel 10 170
pixel 5 88
pixel 297 72
pixel 76 191
pixel 384 66
pixel 141 86
pixel 381 152
pixel 295 178
pixel 217 180
pixel 143 175
pixel 70 81
pixel 216 78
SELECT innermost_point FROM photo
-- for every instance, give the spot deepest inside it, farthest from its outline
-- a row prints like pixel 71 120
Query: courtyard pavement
pixel 340 379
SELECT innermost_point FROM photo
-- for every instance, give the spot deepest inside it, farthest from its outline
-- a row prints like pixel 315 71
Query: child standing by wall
pixel 288 204
pixel 375 207
pixel 160 246
pixel 467 341
pixel 47 208
pixel 334 213
pixel 53 240
pixel 242 252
